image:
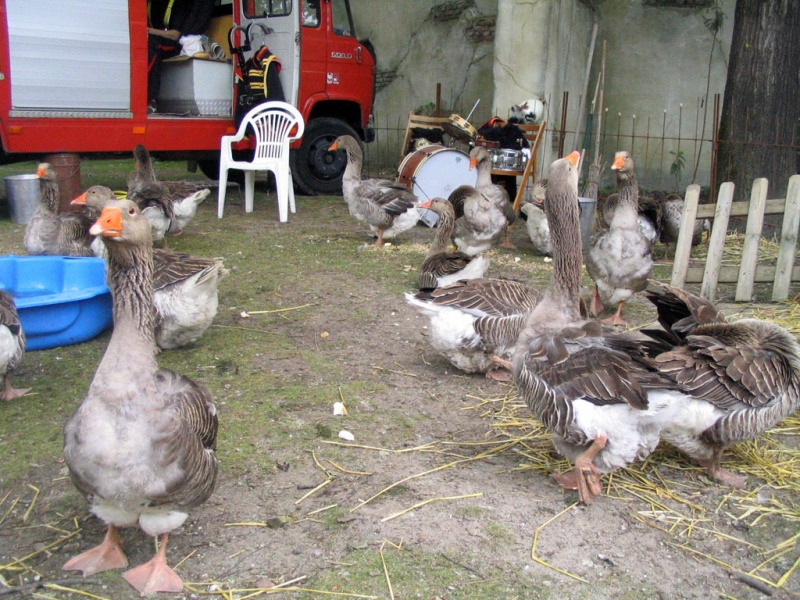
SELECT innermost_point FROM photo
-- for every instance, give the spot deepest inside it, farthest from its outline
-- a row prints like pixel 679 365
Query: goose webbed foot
pixel 10 392
pixel 616 318
pixel 723 476
pixel 108 555
pixel 155 575
pixel 584 477
pixel 500 370
pixel 379 240
pixel 595 306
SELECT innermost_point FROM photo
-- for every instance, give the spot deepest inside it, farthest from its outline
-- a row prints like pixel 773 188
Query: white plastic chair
pixel 274 125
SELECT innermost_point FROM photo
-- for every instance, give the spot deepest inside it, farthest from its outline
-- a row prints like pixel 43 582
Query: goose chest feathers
pixel 620 262
pixel 141 445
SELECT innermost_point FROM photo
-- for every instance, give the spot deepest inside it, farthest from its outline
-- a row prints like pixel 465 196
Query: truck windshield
pixel 266 8
pixel 342 20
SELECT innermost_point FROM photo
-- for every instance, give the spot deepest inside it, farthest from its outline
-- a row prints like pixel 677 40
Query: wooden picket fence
pixel 749 271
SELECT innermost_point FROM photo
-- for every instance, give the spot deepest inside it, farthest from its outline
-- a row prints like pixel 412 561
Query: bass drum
pixel 434 171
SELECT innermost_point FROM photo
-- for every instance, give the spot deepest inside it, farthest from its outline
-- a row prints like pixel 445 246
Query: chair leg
pixel 223 188
pixel 249 190
pixel 292 207
pixel 282 192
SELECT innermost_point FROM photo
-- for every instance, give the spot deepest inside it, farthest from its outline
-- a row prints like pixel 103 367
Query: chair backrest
pixel 420 122
pixel 274 124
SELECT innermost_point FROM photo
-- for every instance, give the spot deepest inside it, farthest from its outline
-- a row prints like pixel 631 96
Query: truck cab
pixel 75 80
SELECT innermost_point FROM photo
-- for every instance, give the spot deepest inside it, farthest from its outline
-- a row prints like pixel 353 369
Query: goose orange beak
pixel 619 162
pixel 573 157
pixel 426 204
pixel 109 224
pixel 40 173
pixel 473 162
pixel 80 199
pixel 333 146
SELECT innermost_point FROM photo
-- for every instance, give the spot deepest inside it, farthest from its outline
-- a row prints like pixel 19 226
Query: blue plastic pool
pixel 60 300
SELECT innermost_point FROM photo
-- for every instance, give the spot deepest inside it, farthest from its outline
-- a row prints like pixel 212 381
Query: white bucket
pixel 23 197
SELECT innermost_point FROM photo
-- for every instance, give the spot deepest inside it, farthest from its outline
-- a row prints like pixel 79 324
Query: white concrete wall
pixel 656 61
pixel 656 69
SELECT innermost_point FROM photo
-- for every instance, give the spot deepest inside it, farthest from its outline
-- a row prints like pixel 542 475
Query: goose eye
pixel 131 211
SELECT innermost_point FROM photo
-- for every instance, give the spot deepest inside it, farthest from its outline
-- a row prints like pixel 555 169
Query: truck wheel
pixel 210 168
pixel 314 169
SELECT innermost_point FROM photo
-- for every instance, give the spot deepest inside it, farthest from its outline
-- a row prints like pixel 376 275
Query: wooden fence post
pixel 791 221
pixel 683 247
pixel 755 222
pixel 716 243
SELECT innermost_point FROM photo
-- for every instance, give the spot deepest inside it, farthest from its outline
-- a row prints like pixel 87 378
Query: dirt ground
pixel 481 518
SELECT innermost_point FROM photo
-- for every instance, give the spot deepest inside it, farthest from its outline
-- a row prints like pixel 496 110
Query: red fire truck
pixel 73 78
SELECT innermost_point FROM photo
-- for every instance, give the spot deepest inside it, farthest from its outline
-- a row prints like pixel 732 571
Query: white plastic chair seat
pixel 273 125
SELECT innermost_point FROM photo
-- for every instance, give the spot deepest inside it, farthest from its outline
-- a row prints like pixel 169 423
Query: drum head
pixel 439 173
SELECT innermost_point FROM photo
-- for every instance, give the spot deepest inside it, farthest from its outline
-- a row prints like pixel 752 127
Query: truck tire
pixel 314 169
pixel 210 168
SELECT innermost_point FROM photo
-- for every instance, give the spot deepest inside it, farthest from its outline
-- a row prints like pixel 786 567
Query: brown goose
pixel 483 211
pixel 731 381
pixel 140 447
pixel 389 208
pixel 168 205
pixel 185 288
pixel 595 391
pixel 12 345
pixel 475 323
pixel 620 261
pixel 51 232
pixel 671 222
pixel 442 267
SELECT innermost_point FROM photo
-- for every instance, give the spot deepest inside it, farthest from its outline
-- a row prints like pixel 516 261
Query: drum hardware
pixel 487 143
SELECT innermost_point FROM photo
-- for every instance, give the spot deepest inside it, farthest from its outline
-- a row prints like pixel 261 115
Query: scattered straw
pixel 673 505
pixel 379 368
pixel 536 541
pixel 386 571
pixel 33 503
pixel 277 310
pixel 480 456
pixel 428 501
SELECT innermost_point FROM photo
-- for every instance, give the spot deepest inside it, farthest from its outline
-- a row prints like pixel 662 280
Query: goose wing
pixel 187 448
pixel 497 297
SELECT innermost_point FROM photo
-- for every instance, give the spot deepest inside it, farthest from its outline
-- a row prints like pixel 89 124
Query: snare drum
pixel 434 171
pixel 507 159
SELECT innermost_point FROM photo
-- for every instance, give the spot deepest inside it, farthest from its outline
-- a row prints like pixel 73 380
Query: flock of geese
pixel 608 396
pixel 141 445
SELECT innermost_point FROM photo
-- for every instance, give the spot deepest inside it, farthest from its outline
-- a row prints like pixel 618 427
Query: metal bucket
pixel 588 206
pixel 23 197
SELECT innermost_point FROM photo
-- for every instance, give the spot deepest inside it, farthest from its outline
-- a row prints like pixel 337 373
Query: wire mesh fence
pixel 672 148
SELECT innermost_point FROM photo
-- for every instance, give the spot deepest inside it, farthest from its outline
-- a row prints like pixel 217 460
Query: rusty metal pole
pixel 438 100
pixel 563 128
pixel 712 192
